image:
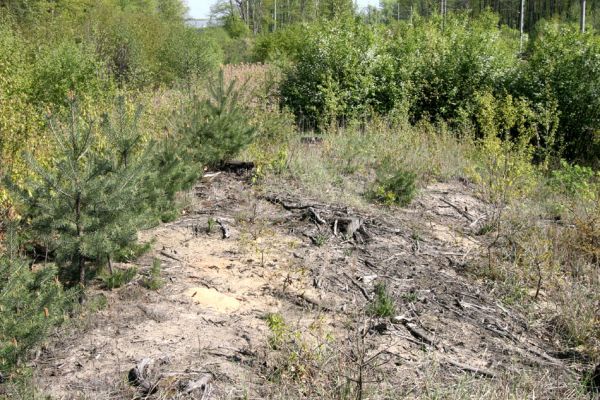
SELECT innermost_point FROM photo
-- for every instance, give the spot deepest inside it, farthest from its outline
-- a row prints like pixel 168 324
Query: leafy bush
pixel 564 66
pixel 575 180
pixel 187 52
pixel 437 70
pixel 334 77
pixel 63 68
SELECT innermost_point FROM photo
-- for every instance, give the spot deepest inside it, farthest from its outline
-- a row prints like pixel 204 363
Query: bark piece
pixel 200 386
pixel 224 229
pixel 140 376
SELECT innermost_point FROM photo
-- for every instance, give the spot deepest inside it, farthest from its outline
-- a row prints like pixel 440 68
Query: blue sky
pixel 201 8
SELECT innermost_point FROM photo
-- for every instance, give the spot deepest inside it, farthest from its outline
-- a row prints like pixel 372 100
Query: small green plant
pixel 410 297
pixel 383 304
pixel 395 189
pixel 118 278
pixel 210 225
pixel 278 328
pixel 320 239
pixel 153 281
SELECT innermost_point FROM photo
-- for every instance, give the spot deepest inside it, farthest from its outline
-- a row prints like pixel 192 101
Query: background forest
pixel 110 109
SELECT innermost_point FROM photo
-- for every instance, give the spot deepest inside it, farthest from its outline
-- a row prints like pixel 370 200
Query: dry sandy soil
pixel 209 320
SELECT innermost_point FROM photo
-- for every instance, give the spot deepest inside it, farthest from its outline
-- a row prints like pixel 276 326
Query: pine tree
pixel 218 128
pixel 30 304
pixel 85 207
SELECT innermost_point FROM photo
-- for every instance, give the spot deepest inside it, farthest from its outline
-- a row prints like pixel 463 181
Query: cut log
pixel 418 333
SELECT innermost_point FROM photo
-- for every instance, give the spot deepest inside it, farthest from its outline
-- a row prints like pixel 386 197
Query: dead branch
pixel 474 370
pixel 461 212
pixel 164 253
pixel 419 333
pixel 358 285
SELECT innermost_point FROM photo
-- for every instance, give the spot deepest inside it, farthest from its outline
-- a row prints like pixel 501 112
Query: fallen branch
pixel 419 333
pixel 288 206
pixel 164 253
pixel 461 212
pixel 140 376
pixel 358 285
pixel 474 370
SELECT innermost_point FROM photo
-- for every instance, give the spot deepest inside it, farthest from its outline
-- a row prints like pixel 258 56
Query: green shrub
pixel 67 67
pixel 439 67
pixel 31 303
pixel 563 66
pixel 334 78
pixel 118 278
pixel 395 188
pixel 575 181
pixel 185 53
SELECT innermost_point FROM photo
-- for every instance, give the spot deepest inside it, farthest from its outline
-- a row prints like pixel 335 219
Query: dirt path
pixel 209 318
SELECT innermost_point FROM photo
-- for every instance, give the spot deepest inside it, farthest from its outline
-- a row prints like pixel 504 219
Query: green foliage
pixel 153 281
pixel 575 181
pixel 118 278
pixel 217 128
pixel 64 68
pixel 383 304
pixel 235 26
pixel 438 68
pixel 335 76
pixel 186 53
pixel 563 66
pixel 396 187
pixel 85 206
pixel 282 45
pixel 31 303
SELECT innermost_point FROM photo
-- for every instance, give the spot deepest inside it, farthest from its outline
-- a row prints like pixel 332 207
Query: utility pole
pixel 582 19
pixel 522 24
pixel 275 17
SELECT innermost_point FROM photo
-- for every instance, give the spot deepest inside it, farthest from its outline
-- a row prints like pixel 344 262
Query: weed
pixel 383 304
pixel 210 225
pixel 153 281
pixel 320 239
pixel 410 297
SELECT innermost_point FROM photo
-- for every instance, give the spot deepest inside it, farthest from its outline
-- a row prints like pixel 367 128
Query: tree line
pixel 269 15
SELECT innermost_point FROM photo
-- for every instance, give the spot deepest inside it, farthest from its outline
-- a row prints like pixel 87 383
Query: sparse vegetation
pixel 153 281
pixel 107 125
pixel 383 305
